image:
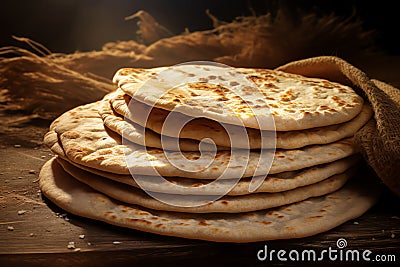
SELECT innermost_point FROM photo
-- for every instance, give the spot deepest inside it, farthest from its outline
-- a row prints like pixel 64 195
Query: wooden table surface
pixel 35 232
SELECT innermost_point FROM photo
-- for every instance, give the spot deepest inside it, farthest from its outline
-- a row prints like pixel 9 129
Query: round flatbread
pixel 202 128
pixel 185 203
pixel 273 183
pixel 84 140
pixel 301 219
pixel 145 137
pixel 294 101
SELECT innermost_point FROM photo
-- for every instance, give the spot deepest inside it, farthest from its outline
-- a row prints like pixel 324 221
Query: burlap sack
pixel 379 139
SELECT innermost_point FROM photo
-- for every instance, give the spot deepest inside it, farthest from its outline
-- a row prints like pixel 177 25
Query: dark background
pixel 84 25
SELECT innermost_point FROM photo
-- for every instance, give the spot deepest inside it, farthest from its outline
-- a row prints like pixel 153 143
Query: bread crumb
pixel 31 234
pixel 10 228
pixel 81 236
pixel 71 245
pixel 77 249
pixel 17 146
pixel 21 212
pixel 392 235
pixel 116 242
pixel 31 171
pixel 355 223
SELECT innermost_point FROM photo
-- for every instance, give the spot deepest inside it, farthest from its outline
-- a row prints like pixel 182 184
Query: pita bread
pixel 273 183
pixel 86 141
pixel 201 128
pixel 228 204
pixel 301 219
pixel 294 101
pixel 141 136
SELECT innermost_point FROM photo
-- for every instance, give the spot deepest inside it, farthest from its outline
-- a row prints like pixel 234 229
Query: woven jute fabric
pixel 379 139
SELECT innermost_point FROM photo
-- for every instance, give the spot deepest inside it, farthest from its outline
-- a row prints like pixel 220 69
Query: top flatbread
pixel 296 102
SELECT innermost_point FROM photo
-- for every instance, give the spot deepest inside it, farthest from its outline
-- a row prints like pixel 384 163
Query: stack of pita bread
pixel 109 155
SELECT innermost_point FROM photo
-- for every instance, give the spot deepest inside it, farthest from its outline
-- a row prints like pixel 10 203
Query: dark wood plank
pixel 41 235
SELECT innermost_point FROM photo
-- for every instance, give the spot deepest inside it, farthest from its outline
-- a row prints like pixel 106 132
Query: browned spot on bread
pixel 71 134
pixel 254 78
pixel 203 223
pixel 271 85
pixel 327 84
pixel 224 202
pixel 266 223
pixel 315 217
pixel 289 110
pixel 139 221
pixel 74 150
pixel 154 152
